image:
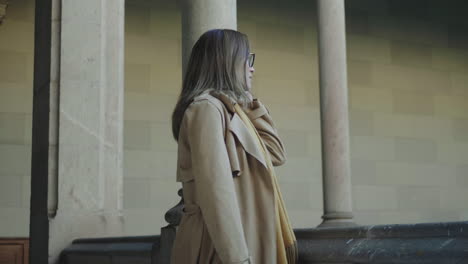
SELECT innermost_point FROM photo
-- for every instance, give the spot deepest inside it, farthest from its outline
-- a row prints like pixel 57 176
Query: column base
pixel 337 219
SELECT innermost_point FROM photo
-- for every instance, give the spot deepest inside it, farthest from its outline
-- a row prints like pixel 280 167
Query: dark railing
pixel 135 250
pixel 430 243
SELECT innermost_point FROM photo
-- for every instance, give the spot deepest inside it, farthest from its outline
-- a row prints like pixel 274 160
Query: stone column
pixel 90 123
pixel 199 16
pixel 334 114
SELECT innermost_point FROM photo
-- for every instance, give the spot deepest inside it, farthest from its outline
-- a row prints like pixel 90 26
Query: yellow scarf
pixel 285 239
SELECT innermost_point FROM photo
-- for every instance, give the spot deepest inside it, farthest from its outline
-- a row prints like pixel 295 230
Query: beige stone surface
pixel 409 30
pixel 453 152
pixel 372 148
pixel 148 164
pixel 443 215
pixel 137 192
pixel 301 67
pixel 413 126
pixel 410 54
pixel 400 216
pixel 305 218
pixel 459 83
pixel 451 106
pixel 285 91
pixel 415 174
pixel 413 103
pixel 362 123
pixel 137 135
pixel 295 117
pixel 364 197
pixel 461 174
pixel 17 221
pixel 360 72
pixel 149 107
pixel 368 48
pixel 11 191
pixel 462 216
pixel 13 127
pixel 16 98
pixel 415 150
pixel 21 33
pixel 16 159
pixel 301 169
pixel 161 138
pixel 419 198
pixel 455 60
pixel 371 98
pixel 292 40
pixel 13 66
pixel 296 140
pixel 138 77
pixel 300 195
pixel 137 220
pixel 363 172
pixel 410 78
pixel 454 198
pixel 25 191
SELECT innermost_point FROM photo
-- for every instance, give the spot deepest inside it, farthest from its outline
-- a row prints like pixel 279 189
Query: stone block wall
pixel 16 80
pixel 409 110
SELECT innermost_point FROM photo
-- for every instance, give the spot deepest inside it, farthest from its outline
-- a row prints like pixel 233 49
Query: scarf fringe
pixel 292 253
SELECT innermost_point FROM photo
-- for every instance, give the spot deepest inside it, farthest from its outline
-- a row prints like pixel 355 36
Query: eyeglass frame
pixel 251 55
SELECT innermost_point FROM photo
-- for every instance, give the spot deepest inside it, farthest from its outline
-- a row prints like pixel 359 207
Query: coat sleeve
pixel 263 122
pixel 214 184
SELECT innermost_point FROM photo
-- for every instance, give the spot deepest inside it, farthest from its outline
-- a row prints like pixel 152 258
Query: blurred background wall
pixel 16 91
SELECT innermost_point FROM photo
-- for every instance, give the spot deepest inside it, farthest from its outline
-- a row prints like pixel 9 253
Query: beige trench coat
pixel 229 214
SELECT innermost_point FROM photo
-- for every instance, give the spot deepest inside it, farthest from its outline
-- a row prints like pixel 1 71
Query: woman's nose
pixel 252 69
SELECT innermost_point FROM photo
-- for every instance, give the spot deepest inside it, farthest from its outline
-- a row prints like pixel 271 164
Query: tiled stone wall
pixel 409 110
pixel 16 74
pixel 152 82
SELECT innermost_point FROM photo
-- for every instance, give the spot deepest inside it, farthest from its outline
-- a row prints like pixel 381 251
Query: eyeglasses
pixel 251 59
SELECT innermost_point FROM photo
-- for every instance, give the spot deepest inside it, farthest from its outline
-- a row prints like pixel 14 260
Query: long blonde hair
pixel 217 62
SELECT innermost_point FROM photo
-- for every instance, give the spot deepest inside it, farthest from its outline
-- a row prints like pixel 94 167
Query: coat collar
pixel 228 101
pixel 237 126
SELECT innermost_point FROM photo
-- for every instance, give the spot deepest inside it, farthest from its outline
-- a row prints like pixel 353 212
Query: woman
pixel 227 146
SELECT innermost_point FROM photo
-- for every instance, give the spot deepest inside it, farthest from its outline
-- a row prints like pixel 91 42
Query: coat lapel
pixel 238 128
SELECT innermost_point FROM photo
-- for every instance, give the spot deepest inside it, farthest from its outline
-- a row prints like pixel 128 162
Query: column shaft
pixel 334 114
pixel 199 16
pixel 90 123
